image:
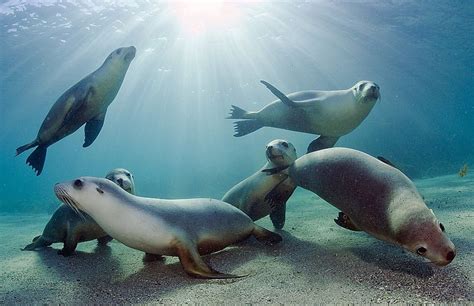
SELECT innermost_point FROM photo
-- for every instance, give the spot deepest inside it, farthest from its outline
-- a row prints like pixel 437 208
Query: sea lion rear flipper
pixel 23 148
pixel 344 221
pixel 36 159
pixel 38 242
pixel 245 127
pixel 287 101
pixel 265 236
pixel 322 142
pixel 93 128
pixel 194 265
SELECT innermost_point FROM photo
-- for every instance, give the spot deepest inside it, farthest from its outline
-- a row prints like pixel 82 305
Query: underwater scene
pixel 267 152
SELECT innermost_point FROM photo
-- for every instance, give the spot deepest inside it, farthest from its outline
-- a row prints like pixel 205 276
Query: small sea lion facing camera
pixel 70 228
pixel 264 192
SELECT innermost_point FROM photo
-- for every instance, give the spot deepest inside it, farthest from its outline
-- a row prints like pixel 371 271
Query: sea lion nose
pixel 450 256
pixel 120 181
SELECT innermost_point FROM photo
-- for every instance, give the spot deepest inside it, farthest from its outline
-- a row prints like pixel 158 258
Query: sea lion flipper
pixel 265 236
pixel 194 265
pixel 104 240
pixel 38 242
pixel 278 216
pixel 92 129
pixel 37 158
pixel 322 142
pixel 344 221
pixel 283 98
pixel 245 127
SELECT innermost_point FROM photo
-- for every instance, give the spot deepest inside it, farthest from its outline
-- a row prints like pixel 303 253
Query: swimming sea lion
pixel 330 114
pixel 250 195
pixel 70 228
pixel 376 198
pixel 185 228
pixel 86 102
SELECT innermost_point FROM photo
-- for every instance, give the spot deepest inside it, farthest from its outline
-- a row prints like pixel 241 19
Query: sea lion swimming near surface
pixel 252 194
pixel 376 198
pixel 330 114
pixel 70 228
pixel 186 228
pixel 86 102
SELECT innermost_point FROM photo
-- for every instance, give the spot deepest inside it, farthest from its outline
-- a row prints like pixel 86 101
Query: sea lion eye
pixel 421 251
pixel 285 144
pixel 441 226
pixel 78 183
pixel 99 190
pixel 128 174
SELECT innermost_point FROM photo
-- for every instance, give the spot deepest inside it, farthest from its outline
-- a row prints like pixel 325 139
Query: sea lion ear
pixel 99 190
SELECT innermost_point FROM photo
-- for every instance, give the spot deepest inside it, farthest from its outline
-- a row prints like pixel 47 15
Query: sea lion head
pixel 366 91
pixel 124 55
pixel 123 178
pixel 92 195
pixel 424 235
pixel 281 153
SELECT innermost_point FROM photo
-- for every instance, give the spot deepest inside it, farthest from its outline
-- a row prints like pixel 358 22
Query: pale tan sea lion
pixel 330 114
pixel 70 228
pixel 263 193
pixel 86 102
pixel 376 198
pixel 186 228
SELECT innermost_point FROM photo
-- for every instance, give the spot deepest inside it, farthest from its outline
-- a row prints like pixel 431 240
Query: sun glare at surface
pixel 199 17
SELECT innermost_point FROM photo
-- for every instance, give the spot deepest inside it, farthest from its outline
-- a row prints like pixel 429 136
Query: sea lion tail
pixel 266 236
pixel 23 148
pixel 36 159
pixel 245 127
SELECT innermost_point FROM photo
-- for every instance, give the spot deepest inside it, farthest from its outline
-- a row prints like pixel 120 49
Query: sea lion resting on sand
pixel 86 102
pixel 70 228
pixel 330 114
pixel 251 194
pixel 186 228
pixel 376 198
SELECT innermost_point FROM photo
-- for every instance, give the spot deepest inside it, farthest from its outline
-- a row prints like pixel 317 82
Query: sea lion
pixel 330 114
pixel 376 198
pixel 250 195
pixel 70 228
pixel 186 228
pixel 86 102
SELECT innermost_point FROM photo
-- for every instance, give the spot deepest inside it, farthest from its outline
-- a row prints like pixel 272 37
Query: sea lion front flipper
pixel 194 265
pixel 104 240
pixel 322 142
pixel 70 245
pixel 278 216
pixel 93 128
pixel 265 236
pixel 283 98
pixel 344 221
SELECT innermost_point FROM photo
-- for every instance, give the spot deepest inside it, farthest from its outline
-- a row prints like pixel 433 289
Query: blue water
pixel 167 123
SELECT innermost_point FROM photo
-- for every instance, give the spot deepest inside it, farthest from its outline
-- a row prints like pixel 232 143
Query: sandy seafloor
pixel 317 262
